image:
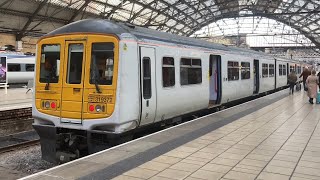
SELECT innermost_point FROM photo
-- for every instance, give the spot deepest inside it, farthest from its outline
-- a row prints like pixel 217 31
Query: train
pixel 19 67
pixel 98 82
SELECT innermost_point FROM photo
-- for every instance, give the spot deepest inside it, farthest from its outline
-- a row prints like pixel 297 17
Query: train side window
pixel 190 71
pixel 102 63
pixel 168 74
pixel 245 70
pixel 284 70
pixel 280 70
pixel 233 70
pixel 264 70
pixel 146 78
pixel 30 67
pixel 14 67
pixel 50 56
pixel 271 70
pixel 291 68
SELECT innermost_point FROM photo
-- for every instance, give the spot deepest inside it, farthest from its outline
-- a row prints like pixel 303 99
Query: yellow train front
pixel 75 90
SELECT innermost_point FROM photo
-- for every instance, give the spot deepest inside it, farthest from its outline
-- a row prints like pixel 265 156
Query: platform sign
pixel 3 70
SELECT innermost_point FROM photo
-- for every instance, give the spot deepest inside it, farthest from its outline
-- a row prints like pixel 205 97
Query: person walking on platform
pixel 319 79
pixel 312 84
pixel 305 74
pixel 292 79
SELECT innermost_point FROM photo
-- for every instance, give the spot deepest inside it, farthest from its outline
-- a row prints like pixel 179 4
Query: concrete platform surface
pixel 16 98
pixel 274 137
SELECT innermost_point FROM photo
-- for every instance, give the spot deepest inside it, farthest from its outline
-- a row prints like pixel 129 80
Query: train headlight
pixel 47 104
pixel 98 108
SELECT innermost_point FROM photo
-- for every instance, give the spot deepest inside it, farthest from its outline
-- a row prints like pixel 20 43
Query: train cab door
pixel 148 85
pixel 72 85
pixel 256 76
pixel 215 80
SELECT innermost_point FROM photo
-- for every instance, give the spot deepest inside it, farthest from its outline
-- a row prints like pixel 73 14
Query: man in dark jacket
pixel 305 74
pixel 292 79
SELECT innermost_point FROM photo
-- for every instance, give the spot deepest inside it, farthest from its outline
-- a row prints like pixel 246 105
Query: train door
pixel 256 81
pixel 275 73
pixel 288 69
pixel 215 79
pixel 72 85
pixel 148 85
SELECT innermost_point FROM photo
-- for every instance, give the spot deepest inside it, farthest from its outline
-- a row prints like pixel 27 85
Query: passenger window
pixel 190 71
pixel 75 59
pixel 271 70
pixel 146 78
pixel 291 68
pixel 29 67
pixel 168 72
pixel 50 56
pixel 102 63
pixel 245 70
pixel 284 70
pixel 14 67
pixel 280 70
pixel 233 70
pixel 264 70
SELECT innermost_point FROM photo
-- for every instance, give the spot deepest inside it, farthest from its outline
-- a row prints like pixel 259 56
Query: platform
pixel 15 99
pixel 273 137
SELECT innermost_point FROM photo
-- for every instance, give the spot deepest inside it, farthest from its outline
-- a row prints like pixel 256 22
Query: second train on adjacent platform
pixel 98 81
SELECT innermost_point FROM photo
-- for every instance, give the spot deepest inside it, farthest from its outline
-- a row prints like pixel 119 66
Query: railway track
pixel 17 141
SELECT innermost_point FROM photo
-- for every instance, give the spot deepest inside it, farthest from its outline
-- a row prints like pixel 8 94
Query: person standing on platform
pixel 319 79
pixel 292 79
pixel 305 74
pixel 312 84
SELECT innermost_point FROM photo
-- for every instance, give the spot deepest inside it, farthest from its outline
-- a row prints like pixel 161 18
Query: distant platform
pixel 273 137
pixel 16 98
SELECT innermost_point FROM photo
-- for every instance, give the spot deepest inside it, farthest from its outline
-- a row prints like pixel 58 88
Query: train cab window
pixel 233 70
pixel 271 70
pixel 102 63
pixel 280 70
pixel 245 70
pixel 75 59
pixel 284 70
pixel 168 74
pixel 29 67
pixel 14 67
pixel 190 71
pixel 264 70
pixel 49 63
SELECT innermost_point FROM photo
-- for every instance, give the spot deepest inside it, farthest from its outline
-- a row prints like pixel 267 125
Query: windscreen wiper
pixel 48 80
pixel 96 75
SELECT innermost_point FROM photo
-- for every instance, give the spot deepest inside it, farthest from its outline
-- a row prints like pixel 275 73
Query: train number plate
pixel 100 98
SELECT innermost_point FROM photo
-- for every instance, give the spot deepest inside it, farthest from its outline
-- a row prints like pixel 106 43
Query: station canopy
pixel 183 17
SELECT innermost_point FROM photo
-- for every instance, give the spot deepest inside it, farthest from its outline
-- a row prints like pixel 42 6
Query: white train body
pixel 20 68
pixel 147 92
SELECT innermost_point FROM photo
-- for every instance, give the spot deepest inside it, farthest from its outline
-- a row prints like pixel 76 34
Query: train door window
pixel 14 67
pixel 271 70
pixel 233 70
pixel 245 70
pixel 50 59
pixel 102 63
pixel 75 59
pixel 168 74
pixel 146 78
pixel 264 70
pixel 284 70
pixel 190 71
pixel 29 67
pixel 280 70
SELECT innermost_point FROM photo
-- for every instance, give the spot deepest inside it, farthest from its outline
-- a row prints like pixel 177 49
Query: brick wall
pixel 28 43
pixel 17 120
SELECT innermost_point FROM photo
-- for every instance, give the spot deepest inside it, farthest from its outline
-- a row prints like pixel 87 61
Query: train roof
pixel 121 29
